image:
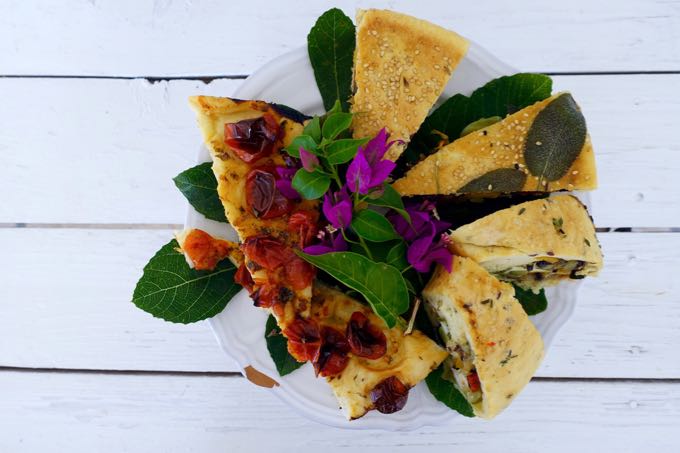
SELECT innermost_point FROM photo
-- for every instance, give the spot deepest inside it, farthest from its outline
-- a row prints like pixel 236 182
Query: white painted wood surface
pixel 87 164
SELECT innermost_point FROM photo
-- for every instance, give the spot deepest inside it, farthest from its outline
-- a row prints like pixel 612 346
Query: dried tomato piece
pixel 252 139
pixel 390 395
pixel 473 382
pixel 299 273
pixel 365 339
pixel 243 278
pixel 204 250
pixel 333 353
pixel 303 223
pixel 262 196
pixel 304 339
pixel 267 252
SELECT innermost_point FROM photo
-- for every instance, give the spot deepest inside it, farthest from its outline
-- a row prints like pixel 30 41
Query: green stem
pixel 342 231
pixel 407 269
pixel 363 244
pixel 335 175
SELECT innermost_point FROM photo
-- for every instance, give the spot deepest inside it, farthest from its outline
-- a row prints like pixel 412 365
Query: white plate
pixel 239 329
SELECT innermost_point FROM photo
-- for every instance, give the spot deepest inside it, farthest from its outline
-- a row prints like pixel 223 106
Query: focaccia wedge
pixel 246 141
pixel 203 250
pixel 494 347
pixel 401 67
pixel 542 148
pixel 409 358
pixel 534 244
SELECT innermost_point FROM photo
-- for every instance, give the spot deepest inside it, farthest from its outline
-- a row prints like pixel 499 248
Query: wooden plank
pixel 65 303
pixel 118 143
pixel 163 38
pixel 104 413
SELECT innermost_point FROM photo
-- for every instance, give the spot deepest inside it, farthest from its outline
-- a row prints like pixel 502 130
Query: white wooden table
pixel 94 123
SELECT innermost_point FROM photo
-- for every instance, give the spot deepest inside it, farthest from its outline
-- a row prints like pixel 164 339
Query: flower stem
pixel 335 175
pixel 342 231
pixel 407 269
pixel 366 249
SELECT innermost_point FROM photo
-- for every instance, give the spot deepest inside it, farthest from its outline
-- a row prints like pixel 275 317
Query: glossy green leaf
pixel 446 392
pixel 199 186
pixel 397 256
pixel 330 45
pixel 532 303
pixel 380 284
pixel 343 150
pixel 313 129
pixel 312 185
pixel 479 124
pixel 500 180
pixel 391 199
pixel 372 226
pixel 555 139
pixel 304 141
pixel 169 289
pixel 277 345
pixel 336 124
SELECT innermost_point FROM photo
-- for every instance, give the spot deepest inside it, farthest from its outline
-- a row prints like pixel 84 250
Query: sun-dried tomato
pixel 267 252
pixel 252 139
pixel 365 339
pixel 333 353
pixel 390 395
pixel 204 250
pixel 473 382
pixel 243 278
pixel 304 225
pixel 304 339
pixel 263 198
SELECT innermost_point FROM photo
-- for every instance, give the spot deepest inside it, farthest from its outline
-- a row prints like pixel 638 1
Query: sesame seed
pixel 538 143
pixel 575 172
pixel 489 187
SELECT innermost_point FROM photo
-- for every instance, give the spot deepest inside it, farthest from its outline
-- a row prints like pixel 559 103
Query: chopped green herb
pixel 508 358
pixel 586 241
pixel 522 211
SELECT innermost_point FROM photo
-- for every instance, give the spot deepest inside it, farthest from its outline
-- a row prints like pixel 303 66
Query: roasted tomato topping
pixel 304 339
pixel 252 139
pixel 263 197
pixel 204 250
pixel 365 339
pixel 303 223
pixel 299 273
pixel 267 252
pixel 473 382
pixel 333 353
pixel 390 395
pixel 243 278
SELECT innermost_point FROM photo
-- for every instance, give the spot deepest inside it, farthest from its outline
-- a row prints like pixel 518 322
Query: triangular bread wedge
pixel 409 358
pixel 534 244
pixel 495 349
pixel 544 147
pixel 401 66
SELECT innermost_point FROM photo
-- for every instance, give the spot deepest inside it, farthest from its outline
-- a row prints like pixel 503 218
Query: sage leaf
pixel 479 124
pixel 199 187
pixel 446 392
pixel 335 124
pixel 330 45
pixel 277 345
pixel 372 226
pixel 304 141
pixel 499 180
pixel 381 285
pixel 532 303
pixel 169 289
pixel 311 185
pixel 391 199
pixel 343 150
pixel 555 139
pixel 313 129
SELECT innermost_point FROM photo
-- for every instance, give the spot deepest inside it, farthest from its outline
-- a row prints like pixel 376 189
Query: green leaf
pixel 305 141
pixel 335 124
pixel 372 226
pixel 397 256
pixel 337 107
pixel 446 392
pixel 555 139
pixel 479 124
pixel 343 150
pixel 500 180
pixel 330 45
pixel 391 199
pixel 171 290
pixel 532 303
pixel 499 97
pixel 278 348
pixel 379 250
pixel 382 285
pixel 312 185
pixel 199 186
pixel 313 129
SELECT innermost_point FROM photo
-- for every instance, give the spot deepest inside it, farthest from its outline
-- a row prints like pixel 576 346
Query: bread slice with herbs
pixel 401 67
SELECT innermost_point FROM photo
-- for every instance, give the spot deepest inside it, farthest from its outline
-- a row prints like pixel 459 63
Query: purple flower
pixel 309 160
pixel 424 251
pixel 337 207
pixel 328 244
pixel 421 214
pixel 368 170
pixel 284 183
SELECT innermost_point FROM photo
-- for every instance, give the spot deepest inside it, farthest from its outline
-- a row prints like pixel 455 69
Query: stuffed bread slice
pixel 401 66
pixel 246 141
pixel 382 382
pixel 542 148
pixel 495 349
pixel 533 244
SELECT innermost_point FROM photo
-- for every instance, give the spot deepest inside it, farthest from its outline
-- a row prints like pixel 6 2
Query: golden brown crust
pixel 410 358
pixel 499 146
pixel 401 66
pixel 506 346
